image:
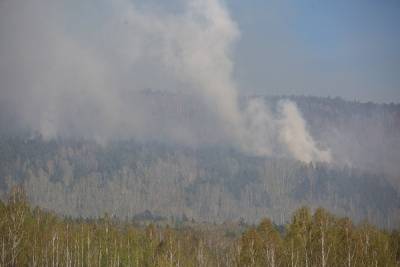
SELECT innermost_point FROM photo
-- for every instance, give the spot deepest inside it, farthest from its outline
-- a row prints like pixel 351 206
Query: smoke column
pixel 75 68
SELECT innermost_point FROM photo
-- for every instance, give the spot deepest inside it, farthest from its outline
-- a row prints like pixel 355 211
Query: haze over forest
pixel 130 106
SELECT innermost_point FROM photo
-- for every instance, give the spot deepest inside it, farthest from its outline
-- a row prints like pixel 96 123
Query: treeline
pixel 33 237
pixel 367 135
pixel 84 179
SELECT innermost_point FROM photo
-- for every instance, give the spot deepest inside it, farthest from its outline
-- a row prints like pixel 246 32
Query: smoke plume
pixel 79 68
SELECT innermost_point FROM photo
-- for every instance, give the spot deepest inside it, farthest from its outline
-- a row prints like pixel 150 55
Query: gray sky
pixel 78 68
pixel 340 48
pixel 324 48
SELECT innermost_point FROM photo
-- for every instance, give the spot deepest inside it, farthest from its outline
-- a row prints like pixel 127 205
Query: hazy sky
pixel 73 68
pixel 328 48
pixel 332 48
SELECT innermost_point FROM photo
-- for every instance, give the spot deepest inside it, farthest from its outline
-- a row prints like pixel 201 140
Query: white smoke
pixel 67 74
pixel 294 134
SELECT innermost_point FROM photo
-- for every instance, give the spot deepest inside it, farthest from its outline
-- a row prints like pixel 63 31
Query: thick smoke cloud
pixel 294 134
pixel 79 68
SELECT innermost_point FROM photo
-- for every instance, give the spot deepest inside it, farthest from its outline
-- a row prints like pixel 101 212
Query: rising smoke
pixel 77 68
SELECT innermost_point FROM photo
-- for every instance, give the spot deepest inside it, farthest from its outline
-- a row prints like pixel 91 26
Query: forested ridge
pixel 211 184
pixel 215 182
pixel 33 237
pixel 199 133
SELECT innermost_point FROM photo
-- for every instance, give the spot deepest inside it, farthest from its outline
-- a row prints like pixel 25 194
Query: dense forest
pixel 34 237
pixel 364 135
pixel 141 133
pixel 215 183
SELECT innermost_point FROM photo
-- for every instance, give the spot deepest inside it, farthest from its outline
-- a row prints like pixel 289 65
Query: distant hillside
pixel 365 135
pixel 214 182
pixel 211 184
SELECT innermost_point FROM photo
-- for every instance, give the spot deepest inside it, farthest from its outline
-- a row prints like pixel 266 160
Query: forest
pixel 212 184
pixel 166 133
pixel 216 182
pixel 31 236
pixel 78 202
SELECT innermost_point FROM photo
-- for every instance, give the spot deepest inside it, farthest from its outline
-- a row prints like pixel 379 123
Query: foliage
pixel 33 237
pixel 126 179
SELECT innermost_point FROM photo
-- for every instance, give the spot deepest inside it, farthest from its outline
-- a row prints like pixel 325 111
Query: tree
pixel 17 210
pixel 346 246
pixel 271 243
pixel 322 228
pixel 251 248
pixel 299 237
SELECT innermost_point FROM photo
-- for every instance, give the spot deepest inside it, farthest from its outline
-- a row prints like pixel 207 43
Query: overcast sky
pixel 346 48
pixel 340 48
